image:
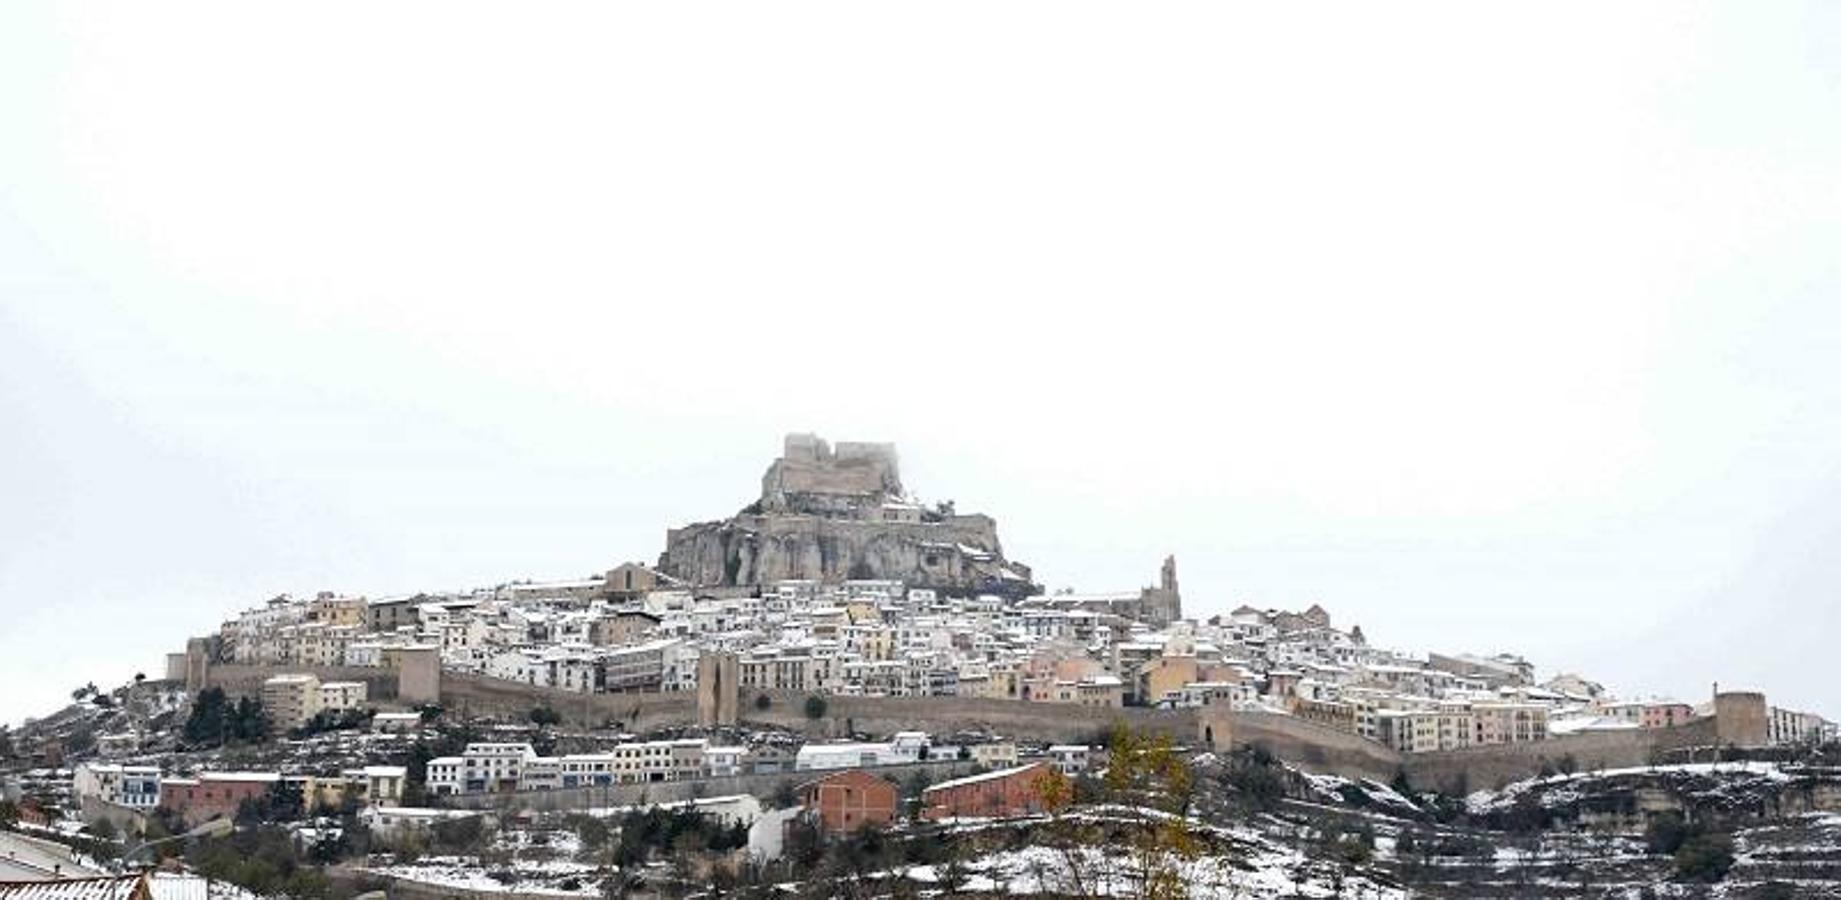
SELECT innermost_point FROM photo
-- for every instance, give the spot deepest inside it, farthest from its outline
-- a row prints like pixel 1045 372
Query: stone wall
pixel 762 786
pixel 476 695
pixel 811 477
pixel 245 680
pixel 1317 748
pixel 1745 718
pixel 1310 746
pixel 941 716
pixel 1477 768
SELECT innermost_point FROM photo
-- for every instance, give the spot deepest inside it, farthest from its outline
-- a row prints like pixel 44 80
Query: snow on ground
pixel 1557 790
pixel 1265 871
pixel 1344 790
pixel 1253 866
pixel 559 878
pixel 561 841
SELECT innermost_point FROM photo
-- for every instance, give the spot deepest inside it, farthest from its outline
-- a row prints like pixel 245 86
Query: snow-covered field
pixel 1559 790
pixel 561 878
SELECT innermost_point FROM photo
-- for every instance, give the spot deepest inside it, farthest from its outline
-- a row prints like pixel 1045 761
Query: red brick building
pixel 847 801
pixel 214 795
pixel 1006 792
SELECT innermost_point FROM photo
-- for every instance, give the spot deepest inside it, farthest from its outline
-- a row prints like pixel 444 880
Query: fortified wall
pixel 1310 746
pixel 245 680
pixel 1475 768
pixel 811 478
pixel 1054 722
pixel 1317 748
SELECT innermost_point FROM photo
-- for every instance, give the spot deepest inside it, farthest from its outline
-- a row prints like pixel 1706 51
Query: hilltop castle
pixel 831 514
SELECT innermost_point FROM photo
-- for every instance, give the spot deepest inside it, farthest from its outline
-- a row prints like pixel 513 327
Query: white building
pixel 134 787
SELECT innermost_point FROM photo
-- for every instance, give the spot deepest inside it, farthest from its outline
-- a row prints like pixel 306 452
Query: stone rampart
pixel 245 680
pixel 1476 768
pixel 1058 722
pixel 1311 746
pixel 477 695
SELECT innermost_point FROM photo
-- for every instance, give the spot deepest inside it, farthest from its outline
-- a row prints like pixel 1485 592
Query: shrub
pixel 1666 833
pixel 1704 858
pixel 762 702
pixel 815 707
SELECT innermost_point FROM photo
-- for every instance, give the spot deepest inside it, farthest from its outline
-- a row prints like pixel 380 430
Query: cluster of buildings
pixel 293 699
pixel 842 802
pixel 836 581
pixel 106 790
pixel 635 630
pixel 496 767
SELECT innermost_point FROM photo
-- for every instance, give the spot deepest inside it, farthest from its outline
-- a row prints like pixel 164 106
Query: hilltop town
pixel 834 582
pixel 837 657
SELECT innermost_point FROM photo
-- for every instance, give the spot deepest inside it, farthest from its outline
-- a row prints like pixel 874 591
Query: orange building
pixel 214 795
pixel 846 801
pixel 1007 792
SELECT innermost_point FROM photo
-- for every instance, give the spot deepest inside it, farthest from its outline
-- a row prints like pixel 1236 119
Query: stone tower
pixel 718 689
pixel 198 653
pixel 1163 604
pixel 1742 718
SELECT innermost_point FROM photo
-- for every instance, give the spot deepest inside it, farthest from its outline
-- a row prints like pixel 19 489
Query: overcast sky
pixel 1489 331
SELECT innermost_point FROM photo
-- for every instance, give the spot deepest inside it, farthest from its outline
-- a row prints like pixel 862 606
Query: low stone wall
pixel 763 786
pixel 1057 722
pixel 1476 768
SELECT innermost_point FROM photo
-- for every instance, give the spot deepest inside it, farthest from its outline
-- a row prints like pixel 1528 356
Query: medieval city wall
pixel 245 680
pixel 477 695
pixel 1056 722
pixel 1477 768
pixel 1311 746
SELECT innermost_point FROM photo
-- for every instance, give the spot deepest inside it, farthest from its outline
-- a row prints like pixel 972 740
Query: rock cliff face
pixel 830 516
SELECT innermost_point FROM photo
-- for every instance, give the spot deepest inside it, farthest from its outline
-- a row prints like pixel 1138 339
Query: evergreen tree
pixel 206 725
pixel 250 723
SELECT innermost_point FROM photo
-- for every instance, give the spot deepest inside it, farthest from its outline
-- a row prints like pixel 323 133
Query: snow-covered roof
pixel 975 779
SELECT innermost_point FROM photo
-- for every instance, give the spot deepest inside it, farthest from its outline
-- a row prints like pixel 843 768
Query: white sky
pixel 1491 331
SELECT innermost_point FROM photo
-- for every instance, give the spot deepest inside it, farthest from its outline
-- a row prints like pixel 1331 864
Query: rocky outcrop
pixel 834 515
pixel 957 555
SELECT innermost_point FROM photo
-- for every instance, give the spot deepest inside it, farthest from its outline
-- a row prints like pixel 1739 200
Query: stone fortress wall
pixel 1317 748
pixel 1310 746
pixel 812 477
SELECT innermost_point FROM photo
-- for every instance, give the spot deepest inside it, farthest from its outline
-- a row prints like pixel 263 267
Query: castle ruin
pixel 831 514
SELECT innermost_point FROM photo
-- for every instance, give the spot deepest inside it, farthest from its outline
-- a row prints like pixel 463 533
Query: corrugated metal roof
pixel 122 887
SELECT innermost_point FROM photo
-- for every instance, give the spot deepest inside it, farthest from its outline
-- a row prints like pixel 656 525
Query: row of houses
pixel 101 788
pixel 500 767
